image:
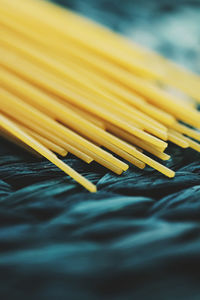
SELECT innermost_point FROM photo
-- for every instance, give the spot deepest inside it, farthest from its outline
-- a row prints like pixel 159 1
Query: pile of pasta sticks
pixel 70 85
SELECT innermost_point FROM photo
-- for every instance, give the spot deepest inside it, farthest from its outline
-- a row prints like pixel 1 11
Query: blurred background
pixel 171 27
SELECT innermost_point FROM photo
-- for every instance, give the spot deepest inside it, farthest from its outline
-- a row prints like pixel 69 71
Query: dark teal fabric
pixel 138 237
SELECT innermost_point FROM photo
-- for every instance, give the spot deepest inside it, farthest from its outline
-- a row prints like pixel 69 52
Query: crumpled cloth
pixel 138 237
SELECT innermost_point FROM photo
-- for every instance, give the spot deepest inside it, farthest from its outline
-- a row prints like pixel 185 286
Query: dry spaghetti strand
pixel 27 139
pixel 66 90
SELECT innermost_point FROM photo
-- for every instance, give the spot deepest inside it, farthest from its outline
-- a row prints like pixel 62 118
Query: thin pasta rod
pixel 143 116
pixel 156 95
pixel 165 101
pixel 43 110
pixel 154 164
pixel 126 95
pixel 114 89
pixel 178 140
pixel 115 149
pixel 136 141
pixel 39 98
pixel 156 131
pixel 136 49
pixel 123 154
pixel 155 92
pixel 65 13
pixel 87 116
pixel 12 81
pixel 138 102
pixel 187 83
pixel 139 149
pixel 150 162
pixel 93 27
pixel 99 159
pixel 131 150
pixel 97 108
pixel 56 67
pixel 194 94
pixel 8 79
pixel 151 92
pixel 130 158
pixel 169 77
pixel 174 74
pixel 47 143
pixel 192 144
pixel 27 139
pixel 160 147
pixel 130 99
pixel 130 83
pixel 119 41
pixel 181 98
pixel 69 14
pixel 136 154
pixel 125 115
pixel 82 21
pixel 14 104
pixel 193 90
pixel 29 92
pixel 74 34
pixel 186 130
pixel 80 152
pixel 11 138
pixel 169 68
pixel 58 141
pixel 133 140
pixel 72 149
pixel 84 109
pixel 125 110
pixel 56 88
pixel 83 101
pixel 111 87
pixel 117 113
pixel 122 95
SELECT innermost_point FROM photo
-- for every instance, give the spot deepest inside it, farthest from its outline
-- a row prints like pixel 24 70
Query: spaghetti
pixel 62 91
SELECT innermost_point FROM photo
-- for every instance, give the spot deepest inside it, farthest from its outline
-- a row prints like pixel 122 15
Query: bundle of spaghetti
pixel 70 85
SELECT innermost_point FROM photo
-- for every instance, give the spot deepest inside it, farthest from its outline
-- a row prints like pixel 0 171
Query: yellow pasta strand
pixel 66 90
pixel 13 129
pixel 13 105
pixel 113 88
pixel 114 43
pixel 133 140
pixel 68 94
pixel 50 145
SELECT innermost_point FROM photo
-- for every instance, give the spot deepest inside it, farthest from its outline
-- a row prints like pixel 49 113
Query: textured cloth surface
pixel 138 237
